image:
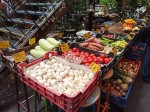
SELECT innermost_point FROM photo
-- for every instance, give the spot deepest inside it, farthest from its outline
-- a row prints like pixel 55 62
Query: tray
pixel 67 103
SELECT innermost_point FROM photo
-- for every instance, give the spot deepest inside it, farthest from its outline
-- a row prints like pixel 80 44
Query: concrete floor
pixel 138 101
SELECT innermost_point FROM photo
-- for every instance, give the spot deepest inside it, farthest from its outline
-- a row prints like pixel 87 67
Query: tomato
pixel 103 56
pixel 101 60
pixel 87 64
pixel 82 52
pixel 92 55
pixel 77 54
pixel 95 60
pixel 74 49
pixel 106 60
pixel 90 60
pixel 86 55
pixel 85 61
pixel 89 57
pixel 110 58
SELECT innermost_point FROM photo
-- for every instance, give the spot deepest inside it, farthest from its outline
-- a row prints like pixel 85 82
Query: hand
pixel 3 5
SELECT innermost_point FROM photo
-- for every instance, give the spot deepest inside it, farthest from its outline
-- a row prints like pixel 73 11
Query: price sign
pixel 129 37
pixel 60 34
pixel 20 56
pixel 114 49
pixel 87 35
pixel 95 67
pixel 4 44
pixel 32 41
pixel 64 47
pixel 98 30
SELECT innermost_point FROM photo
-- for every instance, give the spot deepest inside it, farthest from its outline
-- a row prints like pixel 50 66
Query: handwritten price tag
pixel 20 56
pixel 32 41
pixel 60 34
pixel 4 44
pixel 87 35
pixel 64 47
pixel 95 67
pixel 114 49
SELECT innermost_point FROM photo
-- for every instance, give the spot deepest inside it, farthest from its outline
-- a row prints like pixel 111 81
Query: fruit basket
pixel 67 103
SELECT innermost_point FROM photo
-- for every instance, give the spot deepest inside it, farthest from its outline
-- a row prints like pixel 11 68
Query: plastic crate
pixel 136 62
pixel 136 51
pixel 105 67
pixel 120 101
pixel 67 103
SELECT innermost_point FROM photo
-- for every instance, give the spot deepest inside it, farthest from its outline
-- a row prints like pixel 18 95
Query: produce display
pixel 93 44
pixel 61 76
pixel 87 58
pixel 45 45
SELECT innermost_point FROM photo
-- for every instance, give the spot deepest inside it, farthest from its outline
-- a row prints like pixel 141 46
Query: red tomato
pixel 103 56
pixel 110 58
pixel 82 52
pixel 86 55
pixel 90 60
pixel 106 60
pixel 74 49
pixel 101 60
pixel 87 64
pixel 95 60
pixel 89 57
pixel 77 54
pixel 92 55
pixel 85 61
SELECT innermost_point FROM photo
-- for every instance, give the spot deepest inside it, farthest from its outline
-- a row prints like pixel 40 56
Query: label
pixel 129 37
pixel 20 56
pixel 87 35
pixel 4 44
pixel 60 34
pixel 114 49
pixel 98 30
pixel 64 47
pixel 32 41
pixel 95 67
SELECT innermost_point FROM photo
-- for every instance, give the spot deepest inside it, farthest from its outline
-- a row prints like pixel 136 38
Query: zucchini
pixel 46 45
pixel 38 48
pixel 53 42
pixel 36 53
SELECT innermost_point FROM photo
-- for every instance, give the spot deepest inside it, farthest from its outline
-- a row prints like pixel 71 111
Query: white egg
pixel 49 80
pixel 53 82
pixel 45 77
pixel 91 75
pixel 33 75
pixel 53 60
pixel 68 67
pixel 62 74
pixel 39 78
pixel 58 78
pixel 47 84
pixel 60 65
pixel 44 80
pixel 41 81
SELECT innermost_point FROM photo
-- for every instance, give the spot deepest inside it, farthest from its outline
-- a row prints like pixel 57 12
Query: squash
pixel 36 53
pixel 53 42
pixel 46 45
pixel 38 48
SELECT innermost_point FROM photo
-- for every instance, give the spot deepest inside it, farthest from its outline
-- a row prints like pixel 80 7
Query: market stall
pixel 65 70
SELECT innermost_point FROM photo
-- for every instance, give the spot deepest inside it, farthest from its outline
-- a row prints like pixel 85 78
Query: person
pixel 146 38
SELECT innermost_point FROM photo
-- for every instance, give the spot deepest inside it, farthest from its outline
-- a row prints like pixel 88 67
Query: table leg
pixel 17 95
pixel 26 97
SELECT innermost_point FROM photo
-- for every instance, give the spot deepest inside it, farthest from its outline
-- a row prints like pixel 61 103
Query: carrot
pixel 97 41
pixel 97 45
pixel 90 39
pixel 84 44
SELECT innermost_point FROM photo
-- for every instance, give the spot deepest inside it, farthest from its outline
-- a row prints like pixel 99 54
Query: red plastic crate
pixel 136 62
pixel 67 103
